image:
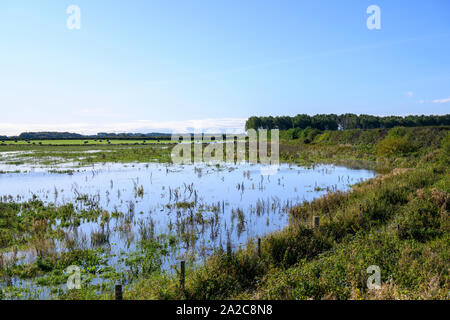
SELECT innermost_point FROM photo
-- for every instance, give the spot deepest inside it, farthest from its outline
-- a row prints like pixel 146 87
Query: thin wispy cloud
pixel 435 101
pixel 440 101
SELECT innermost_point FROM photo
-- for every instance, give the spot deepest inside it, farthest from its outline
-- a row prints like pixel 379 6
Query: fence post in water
pixel 229 249
pixel 118 291
pixel 316 221
pixel 182 275
pixel 259 247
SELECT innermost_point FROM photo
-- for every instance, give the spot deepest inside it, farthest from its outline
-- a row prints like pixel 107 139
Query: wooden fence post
pixel 118 291
pixel 316 221
pixel 259 247
pixel 182 276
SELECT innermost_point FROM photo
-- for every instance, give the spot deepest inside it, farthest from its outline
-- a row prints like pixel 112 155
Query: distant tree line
pixel 49 135
pixel 131 135
pixel 344 121
pixel 69 135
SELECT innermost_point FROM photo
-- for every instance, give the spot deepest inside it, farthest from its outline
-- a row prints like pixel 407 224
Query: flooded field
pixel 163 194
pixel 196 208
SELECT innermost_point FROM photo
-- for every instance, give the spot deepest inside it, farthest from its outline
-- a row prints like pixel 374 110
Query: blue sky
pixel 158 65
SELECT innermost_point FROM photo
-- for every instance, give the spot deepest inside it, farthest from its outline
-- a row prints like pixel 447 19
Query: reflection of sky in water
pixel 263 199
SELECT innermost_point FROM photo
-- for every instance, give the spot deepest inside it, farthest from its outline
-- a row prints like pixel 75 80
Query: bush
pixel 395 146
pixel 398 132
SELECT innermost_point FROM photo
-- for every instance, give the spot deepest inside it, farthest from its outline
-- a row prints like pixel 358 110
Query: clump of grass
pixel 99 237
pixel 139 191
pixel 185 205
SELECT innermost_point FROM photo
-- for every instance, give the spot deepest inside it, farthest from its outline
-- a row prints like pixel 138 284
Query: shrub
pixel 395 146
pixel 287 248
pixel 397 132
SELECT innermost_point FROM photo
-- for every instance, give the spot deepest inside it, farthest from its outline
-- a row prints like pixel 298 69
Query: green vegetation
pixel 39 230
pixel 344 122
pixel 85 155
pixel 36 228
pixel 381 149
pixel 81 142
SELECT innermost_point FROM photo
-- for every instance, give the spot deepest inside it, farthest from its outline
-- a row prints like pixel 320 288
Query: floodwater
pixel 227 202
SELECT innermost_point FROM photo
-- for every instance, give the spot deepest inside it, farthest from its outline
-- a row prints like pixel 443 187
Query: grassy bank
pixel 382 149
